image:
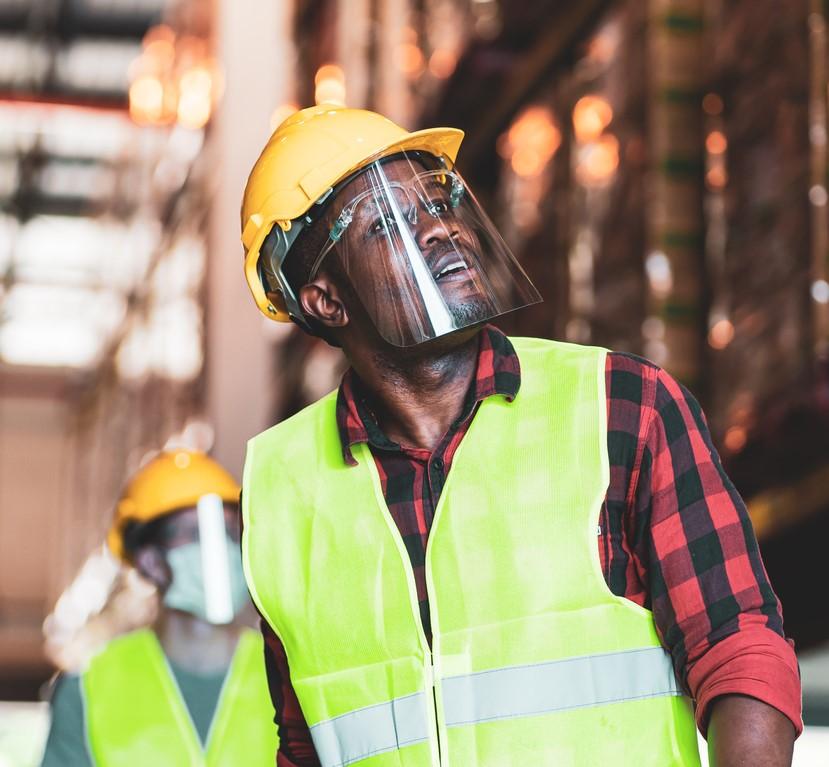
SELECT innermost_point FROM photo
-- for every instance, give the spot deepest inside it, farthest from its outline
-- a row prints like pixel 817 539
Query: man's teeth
pixel 451 268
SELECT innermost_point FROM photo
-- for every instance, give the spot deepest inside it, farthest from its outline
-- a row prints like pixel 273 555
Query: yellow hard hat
pixel 171 481
pixel 305 157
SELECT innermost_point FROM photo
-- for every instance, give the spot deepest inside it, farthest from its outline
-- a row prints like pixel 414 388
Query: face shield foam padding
pixel 420 253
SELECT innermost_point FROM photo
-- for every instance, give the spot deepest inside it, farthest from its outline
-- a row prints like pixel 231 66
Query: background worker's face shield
pixel 420 253
pixel 203 552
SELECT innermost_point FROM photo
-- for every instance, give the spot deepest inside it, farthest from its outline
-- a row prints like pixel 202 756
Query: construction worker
pixel 191 690
pixel 482 550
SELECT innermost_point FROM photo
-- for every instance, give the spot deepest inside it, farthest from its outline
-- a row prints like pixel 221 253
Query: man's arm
pixel 694 547
pixel 744 731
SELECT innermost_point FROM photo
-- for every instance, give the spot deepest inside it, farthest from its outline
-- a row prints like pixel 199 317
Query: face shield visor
pixel 204 556
pixel 419 252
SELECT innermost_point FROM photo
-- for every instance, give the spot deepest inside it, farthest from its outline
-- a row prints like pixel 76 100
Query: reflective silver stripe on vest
pixel 504 693
pixel 546 687
pixel 372 730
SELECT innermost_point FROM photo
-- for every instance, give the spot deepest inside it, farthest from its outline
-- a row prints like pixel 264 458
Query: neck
pixel 195 644
pixel 416 394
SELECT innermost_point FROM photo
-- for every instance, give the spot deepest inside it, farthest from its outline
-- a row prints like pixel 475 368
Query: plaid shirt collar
pixel 498 372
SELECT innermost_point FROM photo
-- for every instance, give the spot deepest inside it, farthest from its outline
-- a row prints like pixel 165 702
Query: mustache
pixel 461 247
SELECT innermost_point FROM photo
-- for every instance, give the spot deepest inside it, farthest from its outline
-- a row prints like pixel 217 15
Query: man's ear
pixel 322 300
pixel 152 564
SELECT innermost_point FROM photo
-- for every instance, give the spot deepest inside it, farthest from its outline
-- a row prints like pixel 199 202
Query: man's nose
pixel 432 231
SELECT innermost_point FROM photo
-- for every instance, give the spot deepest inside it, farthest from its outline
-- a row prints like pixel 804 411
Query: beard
pixel 470 311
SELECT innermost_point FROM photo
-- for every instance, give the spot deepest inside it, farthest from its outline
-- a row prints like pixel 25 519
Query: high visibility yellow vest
pixel 534 661
pixel 135 714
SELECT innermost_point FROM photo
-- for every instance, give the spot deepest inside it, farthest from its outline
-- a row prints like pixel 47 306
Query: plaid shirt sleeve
pixel 694 548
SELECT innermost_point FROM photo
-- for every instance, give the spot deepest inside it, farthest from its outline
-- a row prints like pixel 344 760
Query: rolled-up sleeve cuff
pixel 758 663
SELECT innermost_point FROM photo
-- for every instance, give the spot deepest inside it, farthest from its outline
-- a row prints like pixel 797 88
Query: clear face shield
pixel 204 555
pixel 419 251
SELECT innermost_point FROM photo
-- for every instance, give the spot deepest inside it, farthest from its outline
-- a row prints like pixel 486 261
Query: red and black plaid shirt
pixel 675 534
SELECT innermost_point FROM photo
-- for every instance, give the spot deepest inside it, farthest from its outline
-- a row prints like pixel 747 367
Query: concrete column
pixel 256 53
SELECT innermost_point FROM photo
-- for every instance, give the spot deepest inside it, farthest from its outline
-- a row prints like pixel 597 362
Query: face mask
pixel 188 592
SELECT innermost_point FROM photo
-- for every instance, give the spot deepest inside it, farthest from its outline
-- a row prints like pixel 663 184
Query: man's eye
pixel 381 224
pixel 438 208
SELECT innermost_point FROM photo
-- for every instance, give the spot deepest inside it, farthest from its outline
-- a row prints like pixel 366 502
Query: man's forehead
pixel 399 169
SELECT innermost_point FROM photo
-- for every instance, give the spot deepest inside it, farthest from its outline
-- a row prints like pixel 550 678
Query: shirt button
pixel 437 464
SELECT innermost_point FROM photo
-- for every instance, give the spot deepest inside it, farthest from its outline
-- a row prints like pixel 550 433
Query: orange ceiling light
pixel 716 142
pixel 174 80
pixel 591 115
pixel 721 334
pixel 598 161
pixel 330 85
pixel 195 100
pixel 442 63
pixel 146 95
pixel 735 439
pixel 531 141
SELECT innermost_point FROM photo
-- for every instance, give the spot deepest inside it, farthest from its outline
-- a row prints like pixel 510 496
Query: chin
pixel 448 342
pixel 471 311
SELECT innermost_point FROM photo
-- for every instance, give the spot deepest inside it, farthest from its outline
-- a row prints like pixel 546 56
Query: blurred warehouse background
pixel 659 167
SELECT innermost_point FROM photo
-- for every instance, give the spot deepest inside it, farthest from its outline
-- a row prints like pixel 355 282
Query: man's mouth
pixel 449 262
pixel 456 266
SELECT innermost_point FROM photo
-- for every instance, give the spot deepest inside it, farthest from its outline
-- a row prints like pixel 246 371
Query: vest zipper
pixel 435 707
pixel 430 673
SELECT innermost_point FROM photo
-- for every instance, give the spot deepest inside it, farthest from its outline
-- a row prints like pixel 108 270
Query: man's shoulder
pixel 553 353
pixel 631 362
pixel 630 377
pixel 626 371
pixel 528 347
pixel 628 374
pixel 621 359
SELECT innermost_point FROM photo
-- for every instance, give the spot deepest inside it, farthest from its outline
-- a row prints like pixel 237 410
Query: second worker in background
pixel 191 689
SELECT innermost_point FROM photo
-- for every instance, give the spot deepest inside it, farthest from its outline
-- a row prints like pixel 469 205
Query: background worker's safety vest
pixel 533 660
pixel 135 714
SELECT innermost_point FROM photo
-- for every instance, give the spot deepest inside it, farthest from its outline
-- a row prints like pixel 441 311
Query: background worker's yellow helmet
pixel 305 157
pixel 171 481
